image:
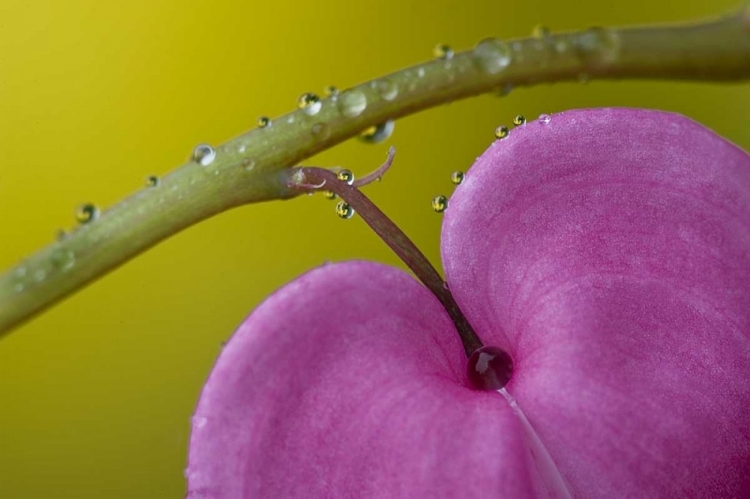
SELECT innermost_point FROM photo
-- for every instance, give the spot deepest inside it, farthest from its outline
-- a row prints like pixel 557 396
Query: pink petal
pixel 349 382
pixel 609 252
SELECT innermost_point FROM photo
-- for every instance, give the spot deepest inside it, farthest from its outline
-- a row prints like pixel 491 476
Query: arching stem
pixel 312 179
pixel 247 168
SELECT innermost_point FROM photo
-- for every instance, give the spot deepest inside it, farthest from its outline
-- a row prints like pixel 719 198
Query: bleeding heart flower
pixel 607 251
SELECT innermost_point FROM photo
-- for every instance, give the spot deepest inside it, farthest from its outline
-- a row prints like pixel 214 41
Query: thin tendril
pixel 379 172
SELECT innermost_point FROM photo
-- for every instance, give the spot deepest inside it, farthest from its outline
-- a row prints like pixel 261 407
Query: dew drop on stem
pixel 352 103
pixel 204 154
pixel 343 210
pixel 492 55
pixel 378 133
pixel 309 103
pixel 346 176
pixel 443 51
pixel 86 213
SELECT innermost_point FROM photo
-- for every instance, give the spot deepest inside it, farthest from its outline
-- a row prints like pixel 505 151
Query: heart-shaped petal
pixel 350 382
pixel 608 251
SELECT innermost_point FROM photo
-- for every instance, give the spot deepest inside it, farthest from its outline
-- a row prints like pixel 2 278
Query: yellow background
pixel 96 395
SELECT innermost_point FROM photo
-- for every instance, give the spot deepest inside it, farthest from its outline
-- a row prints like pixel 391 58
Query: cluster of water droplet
pixel 490 55
pixel 440 202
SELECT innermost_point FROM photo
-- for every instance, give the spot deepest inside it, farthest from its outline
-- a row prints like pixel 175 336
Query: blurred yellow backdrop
pixel 96 395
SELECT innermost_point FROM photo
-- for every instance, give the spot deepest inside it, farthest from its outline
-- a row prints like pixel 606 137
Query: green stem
pixel 247 169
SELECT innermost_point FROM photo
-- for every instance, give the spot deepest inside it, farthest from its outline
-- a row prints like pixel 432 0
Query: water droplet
pixel 519 120
pixel 330 195
pixel 420 72
pixel 204 154
pixel 387 89
pixel 504 90
pixel 343 210
pixel 562 46
pixel 18 287
pixel 378 133
pixel 346 176
pixel 20 272
pixel 598 46
pixel 39 275
pixel 63 259
pixel 352 103
pixel 540 31
pixel 86 213
pixel 248 164
pixel 583 77
pixel 310 103
pixel 544 119
pixel 331 91
pixel 443 51
pixel 321 131
pixel 492 55
pixel 501 132
pixel 264 122
pixel 457 177
pixel 152 181
pixel 439 204
pixel 489 368
pixel 199 422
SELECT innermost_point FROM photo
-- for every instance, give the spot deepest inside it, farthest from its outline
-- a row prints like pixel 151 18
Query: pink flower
pixel 608 251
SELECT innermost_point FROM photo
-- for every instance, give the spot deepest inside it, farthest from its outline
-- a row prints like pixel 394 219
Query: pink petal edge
pixel 609 252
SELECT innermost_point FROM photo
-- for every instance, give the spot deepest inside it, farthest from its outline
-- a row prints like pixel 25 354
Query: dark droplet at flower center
pixel 489 368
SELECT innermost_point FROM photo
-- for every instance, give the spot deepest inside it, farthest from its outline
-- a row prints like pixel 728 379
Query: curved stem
pixel 246 169
pixel 310 179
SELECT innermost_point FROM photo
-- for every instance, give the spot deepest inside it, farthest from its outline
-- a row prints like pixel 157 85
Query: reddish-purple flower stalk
pixel 607 251
pixel 488 368
pixel 316 179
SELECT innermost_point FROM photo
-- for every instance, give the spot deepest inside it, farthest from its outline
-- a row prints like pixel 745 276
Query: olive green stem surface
pixel 247 169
